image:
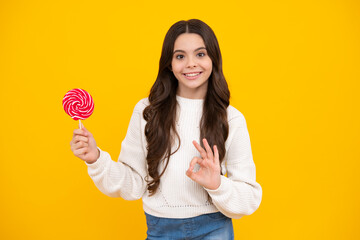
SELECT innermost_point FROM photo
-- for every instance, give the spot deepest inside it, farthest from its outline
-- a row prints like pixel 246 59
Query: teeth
pixel 192 74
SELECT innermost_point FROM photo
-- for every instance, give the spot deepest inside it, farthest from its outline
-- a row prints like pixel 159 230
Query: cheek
pixel 208 64
pixel 176 67
pixel 210 67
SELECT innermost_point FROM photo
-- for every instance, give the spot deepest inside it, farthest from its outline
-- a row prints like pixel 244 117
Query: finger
pixel 209 152
pixel 194 161
pixel 86 132
pixel 80 152
pixel 200 149
pixel 191 174
pixel 79 138
pixel 216 153
pixel 79 132
pixel 79 145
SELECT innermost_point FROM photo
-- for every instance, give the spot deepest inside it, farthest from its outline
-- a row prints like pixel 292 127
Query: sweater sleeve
pixel 238 194
pixel 126 177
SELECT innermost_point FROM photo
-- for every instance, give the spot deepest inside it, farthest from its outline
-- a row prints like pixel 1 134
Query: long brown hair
pixel 161 113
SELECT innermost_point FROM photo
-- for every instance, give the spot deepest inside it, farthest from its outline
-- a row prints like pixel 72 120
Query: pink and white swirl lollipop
pixel 78 104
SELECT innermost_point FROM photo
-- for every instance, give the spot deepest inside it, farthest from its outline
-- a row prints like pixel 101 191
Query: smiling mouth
pixel 192 74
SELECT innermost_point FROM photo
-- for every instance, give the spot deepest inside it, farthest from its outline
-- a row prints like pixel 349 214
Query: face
pixel 191 66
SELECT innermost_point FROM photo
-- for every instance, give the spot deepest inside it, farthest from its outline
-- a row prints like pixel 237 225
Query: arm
pixel 124 178
pixel 238 194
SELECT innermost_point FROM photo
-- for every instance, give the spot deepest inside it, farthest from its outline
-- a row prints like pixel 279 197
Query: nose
pixel 191 62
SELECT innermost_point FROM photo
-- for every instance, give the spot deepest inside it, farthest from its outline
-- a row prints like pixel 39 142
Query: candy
pixel 78 104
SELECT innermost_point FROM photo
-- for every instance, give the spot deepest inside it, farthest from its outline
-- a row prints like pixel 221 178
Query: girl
pixel 181 141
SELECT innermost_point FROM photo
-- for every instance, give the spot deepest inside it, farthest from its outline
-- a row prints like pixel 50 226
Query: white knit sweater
pixel 178 196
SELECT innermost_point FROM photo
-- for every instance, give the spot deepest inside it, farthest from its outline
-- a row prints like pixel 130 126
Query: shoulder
pixel 141 105
pixel 235 117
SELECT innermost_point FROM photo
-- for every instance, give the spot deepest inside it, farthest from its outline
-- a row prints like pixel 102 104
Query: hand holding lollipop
pixel 78 104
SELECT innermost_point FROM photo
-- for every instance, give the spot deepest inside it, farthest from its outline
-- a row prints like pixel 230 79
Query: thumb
pixel 83 128
pixel 87 133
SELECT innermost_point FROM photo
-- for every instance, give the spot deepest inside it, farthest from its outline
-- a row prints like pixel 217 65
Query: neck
pixel 191 95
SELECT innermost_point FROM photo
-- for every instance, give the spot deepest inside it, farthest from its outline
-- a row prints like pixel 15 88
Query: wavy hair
pixel 160 114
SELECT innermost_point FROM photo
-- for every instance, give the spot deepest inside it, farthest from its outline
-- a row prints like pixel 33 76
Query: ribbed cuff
pixel 100 162
pixel 222 189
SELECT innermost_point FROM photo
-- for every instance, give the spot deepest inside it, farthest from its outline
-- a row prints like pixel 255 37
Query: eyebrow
pixel 178 50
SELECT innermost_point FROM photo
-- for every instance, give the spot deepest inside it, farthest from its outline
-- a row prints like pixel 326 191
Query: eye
pixel 179 56
pixel 201 54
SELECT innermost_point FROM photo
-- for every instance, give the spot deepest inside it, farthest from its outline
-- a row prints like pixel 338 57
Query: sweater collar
pixel 188 103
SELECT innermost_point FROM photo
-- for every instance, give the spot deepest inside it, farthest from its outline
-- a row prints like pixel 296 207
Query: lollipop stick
pixel 79 123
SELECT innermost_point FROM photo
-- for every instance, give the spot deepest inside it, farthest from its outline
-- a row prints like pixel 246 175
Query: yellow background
pixel 293 71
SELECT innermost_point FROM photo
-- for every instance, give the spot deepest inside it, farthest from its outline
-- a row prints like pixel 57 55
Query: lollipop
pixel 78 104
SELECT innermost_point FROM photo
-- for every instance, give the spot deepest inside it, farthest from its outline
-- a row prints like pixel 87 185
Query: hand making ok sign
pixel 208 175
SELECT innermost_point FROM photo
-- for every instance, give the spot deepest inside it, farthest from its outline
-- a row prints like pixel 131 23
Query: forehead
pixel 188 41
